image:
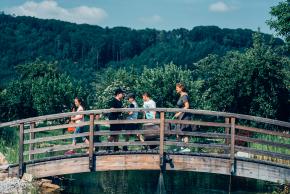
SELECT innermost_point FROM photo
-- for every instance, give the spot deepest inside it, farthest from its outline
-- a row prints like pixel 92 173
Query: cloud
pixel 49 9
pixel 220 7
pixel 154 19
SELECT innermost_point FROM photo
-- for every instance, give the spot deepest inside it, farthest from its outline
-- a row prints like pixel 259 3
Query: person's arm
pixel 154 112
pixel 78 117
pixel 131 106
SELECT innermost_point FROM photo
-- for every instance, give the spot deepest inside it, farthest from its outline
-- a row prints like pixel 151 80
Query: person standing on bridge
pixel 133 115
pixel 149 103
pixel 78 119
pixel 116 102
pixel 183 102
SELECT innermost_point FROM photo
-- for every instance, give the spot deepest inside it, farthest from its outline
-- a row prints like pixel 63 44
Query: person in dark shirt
pixel 183 102
pixel 116 102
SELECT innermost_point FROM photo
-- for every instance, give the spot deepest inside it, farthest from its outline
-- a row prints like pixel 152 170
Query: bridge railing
pixel 216 134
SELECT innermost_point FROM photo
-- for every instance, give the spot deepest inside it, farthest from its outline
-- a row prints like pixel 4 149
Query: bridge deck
pixel 150 161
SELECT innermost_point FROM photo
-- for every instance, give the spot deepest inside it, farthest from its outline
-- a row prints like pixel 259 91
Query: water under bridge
pixel 222 143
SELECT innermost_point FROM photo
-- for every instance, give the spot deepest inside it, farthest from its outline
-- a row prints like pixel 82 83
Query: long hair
pixel 182 86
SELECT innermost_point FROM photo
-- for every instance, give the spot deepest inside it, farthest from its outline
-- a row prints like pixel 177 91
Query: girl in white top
pixel 78 119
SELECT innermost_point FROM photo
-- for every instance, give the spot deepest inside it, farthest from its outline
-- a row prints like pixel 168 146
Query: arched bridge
pixel 223 143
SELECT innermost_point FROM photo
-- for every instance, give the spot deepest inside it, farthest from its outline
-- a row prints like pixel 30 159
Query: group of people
pixel 148 103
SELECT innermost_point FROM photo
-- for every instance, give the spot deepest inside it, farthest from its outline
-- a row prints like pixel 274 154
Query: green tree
pixel 40 89
pixel 250 83
pixel 159 82
pixel 281 19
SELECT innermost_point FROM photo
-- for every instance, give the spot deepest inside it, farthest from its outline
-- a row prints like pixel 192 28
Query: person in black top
pixel 116 102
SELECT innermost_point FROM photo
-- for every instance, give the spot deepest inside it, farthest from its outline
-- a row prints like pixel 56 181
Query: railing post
pixel 227 130
pixel 21 149
pixel 91 143
pixel 161 144
pixel 31 136
pixel 232 154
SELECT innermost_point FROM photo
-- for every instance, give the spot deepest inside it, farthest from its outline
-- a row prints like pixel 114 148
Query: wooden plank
pixel 21 150
pixel 264 153
pixel 31 136
pixel 136 121
pixel 264 131
pixel 56 148
pixel 54 138
pixel 198 134
pixel 232 146
pixel 227 129
pixel 129 132
pixel 261 141
pixel 262 171
pixel 91 144
pixel 51 128
pixel 201 123
pixel 131 143
pixel 193 111
pixel 197 145
pixel 59 167
pixel 127 162
pixel 161 137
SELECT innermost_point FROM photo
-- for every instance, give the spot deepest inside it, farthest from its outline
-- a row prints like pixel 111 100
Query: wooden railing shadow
pixel 218 134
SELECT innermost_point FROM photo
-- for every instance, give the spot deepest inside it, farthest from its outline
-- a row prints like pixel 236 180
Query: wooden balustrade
pixel 228 122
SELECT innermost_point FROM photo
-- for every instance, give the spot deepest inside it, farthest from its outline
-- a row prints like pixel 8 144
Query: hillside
pixel 83 49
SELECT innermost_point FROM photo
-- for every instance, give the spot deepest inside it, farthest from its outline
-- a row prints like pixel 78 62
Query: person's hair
pixel 118 91
pixel 131 95
pixel 79 100
pixel 146 94
pixel 182 86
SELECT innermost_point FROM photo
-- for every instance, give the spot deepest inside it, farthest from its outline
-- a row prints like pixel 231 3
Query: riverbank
pixel 15 185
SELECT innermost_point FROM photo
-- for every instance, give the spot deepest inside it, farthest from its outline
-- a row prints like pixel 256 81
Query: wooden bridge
pixel 224 143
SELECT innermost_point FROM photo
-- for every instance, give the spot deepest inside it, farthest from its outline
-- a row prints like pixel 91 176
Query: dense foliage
pixel 253 82
pixel 82 50
pixel 222 69
pixel 281 19
pixel 39 89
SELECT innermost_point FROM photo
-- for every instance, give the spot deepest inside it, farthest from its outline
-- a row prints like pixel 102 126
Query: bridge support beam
pixel 161 144
pixel 91 144
pixel 21 150
pixel 232 154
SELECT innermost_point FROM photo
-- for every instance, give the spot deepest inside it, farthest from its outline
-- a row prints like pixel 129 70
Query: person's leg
pixel 77 130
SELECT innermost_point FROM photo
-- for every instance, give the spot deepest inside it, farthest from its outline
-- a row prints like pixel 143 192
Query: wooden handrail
pixel 193 111
pixel 226 138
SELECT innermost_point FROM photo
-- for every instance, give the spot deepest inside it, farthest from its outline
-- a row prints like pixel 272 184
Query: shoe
pixel 183 150
pixel 176 149
pixel 70 152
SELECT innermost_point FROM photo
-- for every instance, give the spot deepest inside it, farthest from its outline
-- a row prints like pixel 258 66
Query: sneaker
pixel 183 150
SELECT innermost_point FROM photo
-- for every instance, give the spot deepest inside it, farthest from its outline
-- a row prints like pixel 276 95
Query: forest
pixel 46 63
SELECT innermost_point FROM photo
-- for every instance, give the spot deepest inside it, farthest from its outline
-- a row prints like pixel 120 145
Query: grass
pixel 271 138
pixel 10 151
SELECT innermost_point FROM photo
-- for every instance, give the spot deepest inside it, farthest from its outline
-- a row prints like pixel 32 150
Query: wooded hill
pixel 84 49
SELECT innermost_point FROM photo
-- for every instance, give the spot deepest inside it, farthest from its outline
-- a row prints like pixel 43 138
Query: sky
pixel 158 14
